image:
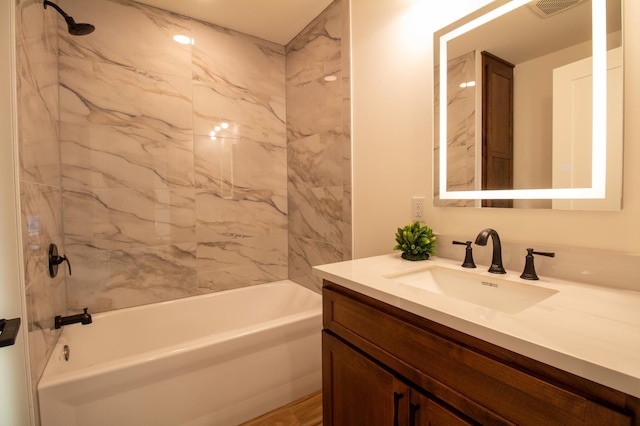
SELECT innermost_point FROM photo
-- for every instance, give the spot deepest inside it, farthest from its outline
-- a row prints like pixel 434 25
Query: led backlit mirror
pixel 529 106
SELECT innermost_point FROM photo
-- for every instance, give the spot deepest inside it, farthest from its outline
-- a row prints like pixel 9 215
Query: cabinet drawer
pixel 458 373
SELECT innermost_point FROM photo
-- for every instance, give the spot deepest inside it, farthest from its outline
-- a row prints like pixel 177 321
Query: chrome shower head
pixel 77 29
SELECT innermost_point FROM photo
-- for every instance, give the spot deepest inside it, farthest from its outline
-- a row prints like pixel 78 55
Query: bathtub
pixel 216 359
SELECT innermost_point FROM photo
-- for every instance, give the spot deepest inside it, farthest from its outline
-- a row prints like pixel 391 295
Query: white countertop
pixel 590 331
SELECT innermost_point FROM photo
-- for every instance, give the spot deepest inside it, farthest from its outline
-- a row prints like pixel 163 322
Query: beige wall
pixel 392 134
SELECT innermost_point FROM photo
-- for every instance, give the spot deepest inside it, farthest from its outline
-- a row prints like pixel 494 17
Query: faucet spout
pixel 496 260
pixel 83 318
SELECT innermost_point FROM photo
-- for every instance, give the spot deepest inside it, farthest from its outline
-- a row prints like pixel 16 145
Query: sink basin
pixel 496 293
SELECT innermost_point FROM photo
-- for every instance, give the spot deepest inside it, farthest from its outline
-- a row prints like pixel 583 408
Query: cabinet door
pixel 357 391
pixel 424 411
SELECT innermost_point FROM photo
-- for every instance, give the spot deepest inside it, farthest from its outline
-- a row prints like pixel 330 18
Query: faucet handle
pixel 468 256
pixel 529 272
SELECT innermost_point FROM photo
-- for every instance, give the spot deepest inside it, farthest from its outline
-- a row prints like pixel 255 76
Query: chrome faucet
pixel 496 261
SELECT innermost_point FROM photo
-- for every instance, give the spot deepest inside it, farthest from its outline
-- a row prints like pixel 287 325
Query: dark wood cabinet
pixel 386 366
pixel 360 392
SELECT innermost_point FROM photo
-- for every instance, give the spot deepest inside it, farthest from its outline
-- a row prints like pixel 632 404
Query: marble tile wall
pixel 156 206
pixel 319 144
pixel 40 189
pixel 116 148
pixel 461 129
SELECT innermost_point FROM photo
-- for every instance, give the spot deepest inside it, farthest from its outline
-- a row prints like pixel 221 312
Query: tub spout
pixel 84 318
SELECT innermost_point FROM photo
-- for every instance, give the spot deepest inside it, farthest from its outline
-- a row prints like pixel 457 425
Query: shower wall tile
pixel 41 221
pixel 317 213
pixel 131 35
pixel 246 63
pixel 39 160
pixel 305 253
pixel 317 160
pixel 319 145
pixel 317 50
pixel 238 80
pixel 37 84
pixel 241 214
pixel 110 95
pixel 226 163
pixel 96 156
pixel 115 279
pixel 239 262
pixel 45 298
pixel 128 218
pixel 39 151
pixel 242 85
pixel 314 104
pixel 255 116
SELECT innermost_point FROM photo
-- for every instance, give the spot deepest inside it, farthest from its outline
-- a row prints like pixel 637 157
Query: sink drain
pixel 66 352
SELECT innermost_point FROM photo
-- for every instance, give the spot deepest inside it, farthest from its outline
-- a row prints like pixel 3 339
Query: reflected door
pixel 572 147
pixel 497 127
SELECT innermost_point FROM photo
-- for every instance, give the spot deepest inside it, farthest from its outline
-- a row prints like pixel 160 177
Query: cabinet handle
pixel 413 408
pixel 396 402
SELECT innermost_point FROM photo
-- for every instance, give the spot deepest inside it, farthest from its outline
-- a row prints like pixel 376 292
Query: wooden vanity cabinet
pixel 365 393
pixel 385 366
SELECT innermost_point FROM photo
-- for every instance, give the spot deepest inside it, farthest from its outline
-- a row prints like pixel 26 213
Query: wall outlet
pixel 417 209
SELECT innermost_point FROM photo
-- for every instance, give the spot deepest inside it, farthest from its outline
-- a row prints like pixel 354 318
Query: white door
pixel 15 384
pixel 572 131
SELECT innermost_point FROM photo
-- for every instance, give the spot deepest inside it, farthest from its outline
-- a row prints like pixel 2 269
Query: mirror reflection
pixel 519 107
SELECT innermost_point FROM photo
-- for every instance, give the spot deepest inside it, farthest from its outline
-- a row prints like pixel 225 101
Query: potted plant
pixel 416 242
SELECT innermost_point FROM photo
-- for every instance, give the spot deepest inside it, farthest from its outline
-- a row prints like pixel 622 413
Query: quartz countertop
pixel 590 331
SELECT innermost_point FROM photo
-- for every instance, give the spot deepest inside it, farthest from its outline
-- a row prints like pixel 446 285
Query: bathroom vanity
pixel 399 348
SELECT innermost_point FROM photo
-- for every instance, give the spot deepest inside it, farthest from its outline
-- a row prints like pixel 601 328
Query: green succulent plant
pixel 416 242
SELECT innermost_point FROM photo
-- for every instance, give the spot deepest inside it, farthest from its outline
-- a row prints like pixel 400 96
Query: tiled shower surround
pixel 155 205
pixel 165 170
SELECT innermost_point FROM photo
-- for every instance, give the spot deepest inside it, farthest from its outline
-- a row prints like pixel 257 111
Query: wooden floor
pixel 306 411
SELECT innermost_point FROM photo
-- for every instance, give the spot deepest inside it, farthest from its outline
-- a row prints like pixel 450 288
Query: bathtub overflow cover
pixel 66 352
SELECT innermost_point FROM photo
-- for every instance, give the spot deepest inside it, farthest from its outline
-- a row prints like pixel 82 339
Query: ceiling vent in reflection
pixel 546 8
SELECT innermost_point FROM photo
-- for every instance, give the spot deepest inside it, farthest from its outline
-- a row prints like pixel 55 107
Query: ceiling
pixel 278 21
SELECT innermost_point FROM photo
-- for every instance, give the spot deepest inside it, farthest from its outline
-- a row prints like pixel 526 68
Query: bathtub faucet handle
pixel 55 260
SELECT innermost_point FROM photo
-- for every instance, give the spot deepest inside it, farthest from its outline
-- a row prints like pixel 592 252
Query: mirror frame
pixel 599 130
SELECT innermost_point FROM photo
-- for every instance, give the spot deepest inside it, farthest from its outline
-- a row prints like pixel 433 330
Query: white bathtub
pixel 216 359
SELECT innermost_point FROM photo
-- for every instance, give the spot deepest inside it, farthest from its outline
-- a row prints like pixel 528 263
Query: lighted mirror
pixel 529 105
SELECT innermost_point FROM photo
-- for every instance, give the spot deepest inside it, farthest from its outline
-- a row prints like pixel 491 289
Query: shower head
pixel 77 29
